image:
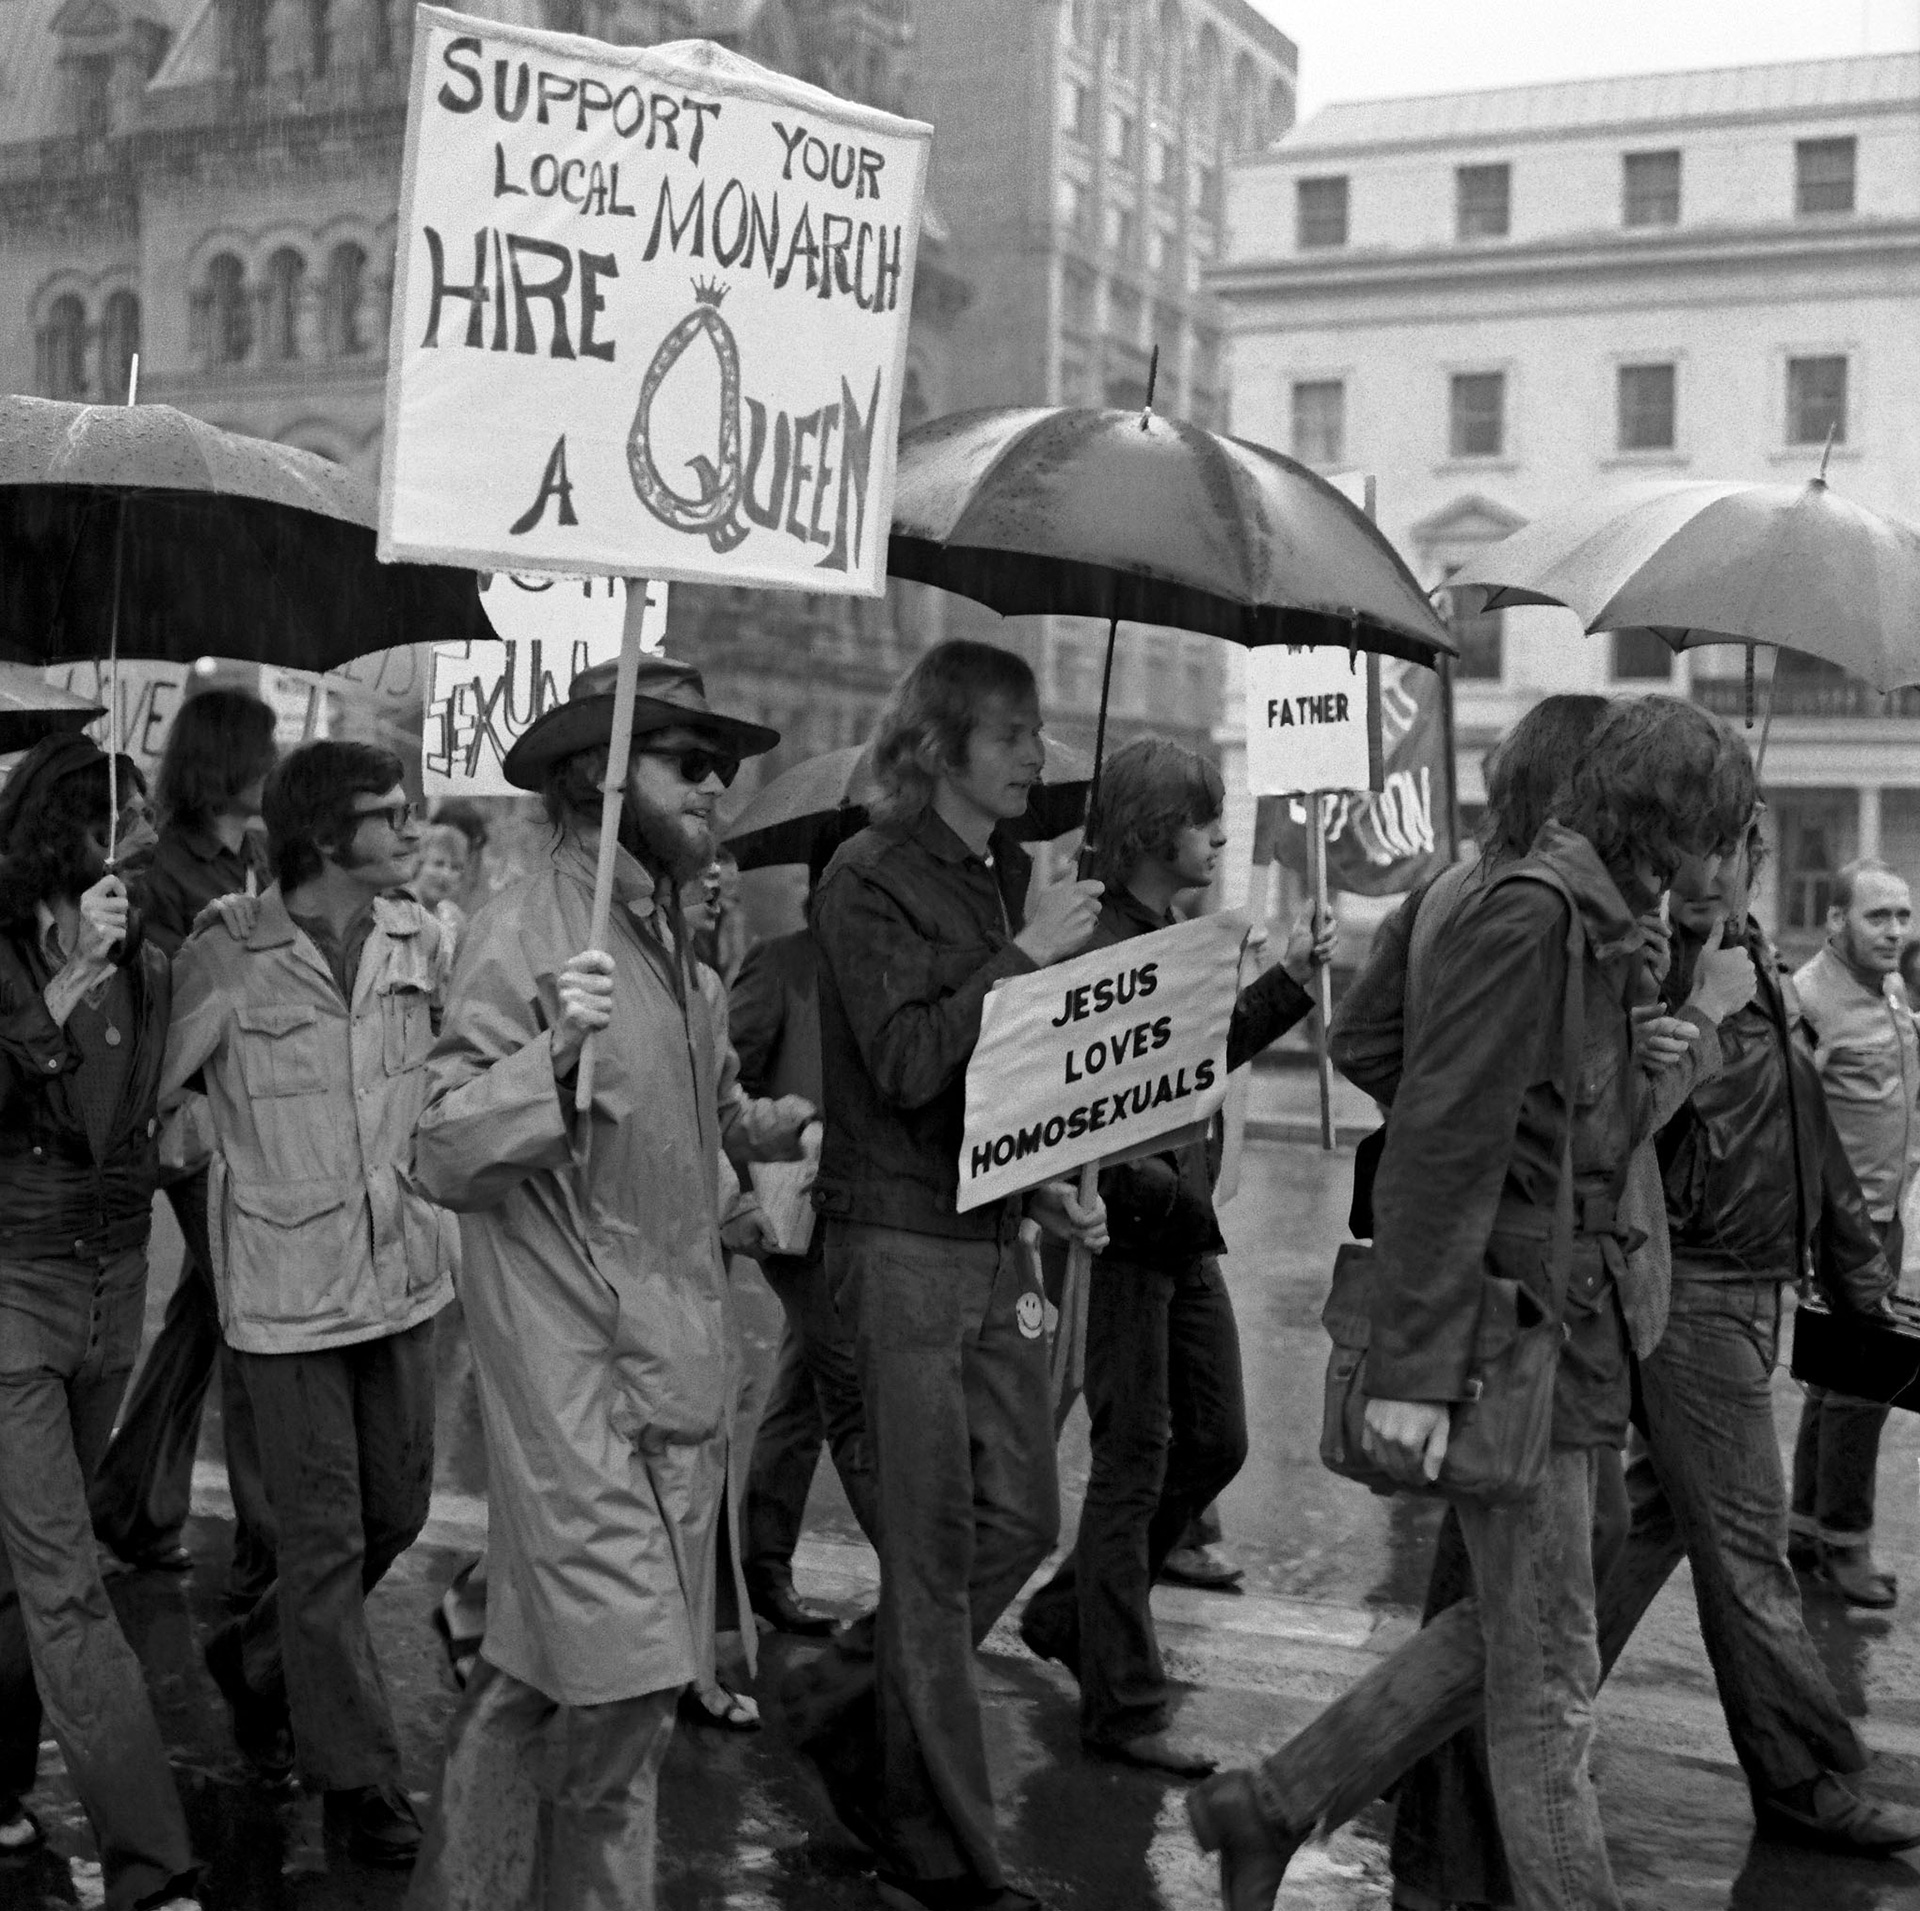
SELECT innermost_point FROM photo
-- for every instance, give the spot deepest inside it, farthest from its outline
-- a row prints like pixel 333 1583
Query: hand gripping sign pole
pixel 1322 972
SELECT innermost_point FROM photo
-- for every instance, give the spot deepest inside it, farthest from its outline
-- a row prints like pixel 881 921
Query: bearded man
pixel 594 1287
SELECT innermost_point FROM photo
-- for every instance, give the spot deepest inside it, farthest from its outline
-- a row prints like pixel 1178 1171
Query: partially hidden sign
pixel 1313 720
pixel 650 314
pixel 1094 1057
pixel 484 696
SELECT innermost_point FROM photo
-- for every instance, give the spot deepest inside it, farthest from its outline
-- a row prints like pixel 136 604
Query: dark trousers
pixel 1706 1487
pixel 144 1489
pixel 1169 1431
pixel 1836 1455
pixel 69 1330
pixel 812 1400
pixel 954 1374
pixel 346 1439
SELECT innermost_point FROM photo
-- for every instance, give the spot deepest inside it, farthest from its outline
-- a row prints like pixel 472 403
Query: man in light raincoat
pixel 595 1295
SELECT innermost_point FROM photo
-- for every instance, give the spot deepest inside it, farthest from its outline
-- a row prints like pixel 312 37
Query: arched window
pixel 63 348
pixel 1246 107
pixel 119 340
pixel 1206 86
pixel 1169 57
pixel 1279 109
pixel 246 36
pixel 286 280
pixel 346 301
pixel 230 317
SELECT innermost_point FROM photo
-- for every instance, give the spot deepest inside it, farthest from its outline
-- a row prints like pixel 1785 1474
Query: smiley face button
pixel 1030 1312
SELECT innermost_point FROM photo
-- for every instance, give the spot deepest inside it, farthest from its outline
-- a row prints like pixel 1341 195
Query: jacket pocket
pixel 287 1249
pixel 406 1029
pixel 282 1049
pixel 669 1349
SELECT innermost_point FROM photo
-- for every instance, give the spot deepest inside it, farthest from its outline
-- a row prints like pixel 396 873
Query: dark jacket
pixel 1160 1206
pixel 1470 1171
pixel 912 930
pixel 56 1195
pixel 1750 1170
pixel 190 868
pixel 773 1017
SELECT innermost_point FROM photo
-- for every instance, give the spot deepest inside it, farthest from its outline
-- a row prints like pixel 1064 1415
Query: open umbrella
pixel 31 708
pixel 1124 515
pixel 807 812
pixel 1794 566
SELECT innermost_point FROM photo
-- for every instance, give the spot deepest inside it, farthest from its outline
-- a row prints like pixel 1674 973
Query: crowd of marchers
pixel 1615 1133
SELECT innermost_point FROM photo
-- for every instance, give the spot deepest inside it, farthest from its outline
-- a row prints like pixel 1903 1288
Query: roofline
pixel 1300 143
pixel 1365 273
pixel 1256 26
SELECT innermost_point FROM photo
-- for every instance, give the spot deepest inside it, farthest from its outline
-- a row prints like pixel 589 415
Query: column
pixel 1866 834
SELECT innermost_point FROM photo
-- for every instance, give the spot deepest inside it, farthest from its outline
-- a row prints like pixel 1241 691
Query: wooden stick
pixel 1233 1138
pixel 1070 1342
pixel 1322 974
pixel 612 794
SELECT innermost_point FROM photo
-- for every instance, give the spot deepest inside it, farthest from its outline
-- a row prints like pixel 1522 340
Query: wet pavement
pixel 1333 1577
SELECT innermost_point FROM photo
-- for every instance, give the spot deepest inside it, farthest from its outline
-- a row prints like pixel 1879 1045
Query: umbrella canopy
pixel 807 812
pixel 1712 563
pixel 31 708
pixel 1124 515
pixel 228 546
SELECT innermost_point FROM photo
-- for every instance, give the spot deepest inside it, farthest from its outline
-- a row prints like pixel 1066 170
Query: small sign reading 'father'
pixel 1313 721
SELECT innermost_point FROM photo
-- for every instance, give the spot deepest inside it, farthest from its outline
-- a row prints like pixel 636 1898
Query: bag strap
pixel 1434 913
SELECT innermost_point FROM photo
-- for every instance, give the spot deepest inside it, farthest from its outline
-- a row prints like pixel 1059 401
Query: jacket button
pixel 150 1126
pixel 79 1247
pixel 38 1151
pixel 53 1063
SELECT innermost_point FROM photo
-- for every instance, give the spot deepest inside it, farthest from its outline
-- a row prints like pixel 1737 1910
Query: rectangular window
pixel 1816 400
pixel 1119 135
pixel 93 95
pixel 1072 203
pixel 1479 633
pixel 1162 251
pixel 1822 176
pixel 1166 164
pixel 1640 656
pixel 1650 189
pixel 1481 203
pixel 1123 230
pixel 1477 415
pixel 1073 109
pixel 1320 421
pixel 1320 212
pixel 1646 408
pixel 1206 189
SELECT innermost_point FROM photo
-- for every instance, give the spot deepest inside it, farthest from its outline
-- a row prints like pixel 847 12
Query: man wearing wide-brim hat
pixel 594 1293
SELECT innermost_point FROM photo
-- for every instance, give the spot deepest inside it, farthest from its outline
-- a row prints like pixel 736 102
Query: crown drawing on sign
pixel 709 292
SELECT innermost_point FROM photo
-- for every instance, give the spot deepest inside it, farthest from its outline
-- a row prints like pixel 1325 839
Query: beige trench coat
pixel 593 1286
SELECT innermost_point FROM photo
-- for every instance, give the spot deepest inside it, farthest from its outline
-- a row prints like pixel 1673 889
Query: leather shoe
pixel 376 1823
pixel 261 1727
pixel 1225 1817
pixel 1206 1567
pixel 1156 1752
pixel 1824 1813
pixel 1850 1571
pixel 780 1607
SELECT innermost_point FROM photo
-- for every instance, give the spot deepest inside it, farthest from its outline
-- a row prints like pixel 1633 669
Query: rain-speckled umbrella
pixel 228 546
pixel 808 811
pixel 31 708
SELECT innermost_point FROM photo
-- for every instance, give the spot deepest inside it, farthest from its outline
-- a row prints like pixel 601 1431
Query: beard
pixel 670 840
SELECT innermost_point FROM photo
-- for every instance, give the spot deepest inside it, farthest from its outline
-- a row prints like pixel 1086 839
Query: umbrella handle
pixel 613 790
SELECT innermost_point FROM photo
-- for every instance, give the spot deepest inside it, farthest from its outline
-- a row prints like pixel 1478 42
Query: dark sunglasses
pixel 396 816
pixel 696 763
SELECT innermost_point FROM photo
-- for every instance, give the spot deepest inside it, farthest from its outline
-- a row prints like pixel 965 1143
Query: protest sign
pixel 1093 1057
pixel 1313 720
pixel 484 696
pixel 650 314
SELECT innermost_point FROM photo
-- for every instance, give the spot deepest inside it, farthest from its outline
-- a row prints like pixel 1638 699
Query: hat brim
pixel 586 723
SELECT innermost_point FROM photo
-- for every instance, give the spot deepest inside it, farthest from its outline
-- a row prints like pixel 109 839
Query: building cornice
pixel 1615 256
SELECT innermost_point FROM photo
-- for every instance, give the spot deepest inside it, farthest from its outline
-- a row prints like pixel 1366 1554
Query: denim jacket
pixel 321 1236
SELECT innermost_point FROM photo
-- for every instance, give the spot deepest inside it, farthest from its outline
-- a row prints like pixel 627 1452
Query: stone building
pixel 214 184
pixel 1501 302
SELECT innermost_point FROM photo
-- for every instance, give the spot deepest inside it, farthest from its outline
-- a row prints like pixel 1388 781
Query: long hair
pixel 1150 790
pixel 220 741
pixel 47 852
pixel 1659 779
pixel 1529 768
pixel 925 725
pixel 308 804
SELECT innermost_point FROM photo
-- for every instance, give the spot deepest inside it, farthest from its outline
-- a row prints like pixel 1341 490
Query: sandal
pixel 21 1834
pixel 716 1706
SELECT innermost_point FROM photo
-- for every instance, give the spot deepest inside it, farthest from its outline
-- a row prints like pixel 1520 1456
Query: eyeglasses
pixel 398 817
pixel 696 763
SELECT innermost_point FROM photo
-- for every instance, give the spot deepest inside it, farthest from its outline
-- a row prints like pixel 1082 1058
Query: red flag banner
pixel 1385 842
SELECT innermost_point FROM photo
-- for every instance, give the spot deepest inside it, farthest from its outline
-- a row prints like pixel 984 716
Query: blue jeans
pixel 1527 1648
pixel 1169 1428
pixel 69 1330
pixel 953 1370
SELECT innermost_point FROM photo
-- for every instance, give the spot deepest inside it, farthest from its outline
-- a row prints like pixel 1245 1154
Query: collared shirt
pixel 913 928
pixel 191 867
pixel 1869 1063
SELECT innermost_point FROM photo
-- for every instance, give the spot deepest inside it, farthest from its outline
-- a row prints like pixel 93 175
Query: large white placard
pixel 484 696
pixel 650 314
pixel 1313 720
pixel 1093 1057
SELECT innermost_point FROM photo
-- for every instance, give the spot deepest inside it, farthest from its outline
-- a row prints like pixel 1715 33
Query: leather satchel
pixel 1501 1435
